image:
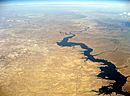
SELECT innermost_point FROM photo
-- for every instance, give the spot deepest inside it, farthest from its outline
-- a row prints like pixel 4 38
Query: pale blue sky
pixel 63 0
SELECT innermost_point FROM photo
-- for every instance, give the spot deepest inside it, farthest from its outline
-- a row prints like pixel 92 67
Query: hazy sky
pixel 61 0
pixel 55 1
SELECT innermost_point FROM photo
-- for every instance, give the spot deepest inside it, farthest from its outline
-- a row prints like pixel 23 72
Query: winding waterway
pixel 108 69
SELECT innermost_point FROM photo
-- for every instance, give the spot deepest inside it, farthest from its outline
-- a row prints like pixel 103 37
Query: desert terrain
pixel 64 50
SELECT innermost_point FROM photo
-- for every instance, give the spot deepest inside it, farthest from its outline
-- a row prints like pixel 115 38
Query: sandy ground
pixel 32 64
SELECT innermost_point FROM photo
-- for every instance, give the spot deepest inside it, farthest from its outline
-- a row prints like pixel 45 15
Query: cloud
pixel 128 13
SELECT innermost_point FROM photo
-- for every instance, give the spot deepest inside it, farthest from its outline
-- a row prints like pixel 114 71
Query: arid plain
pixel 64 50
